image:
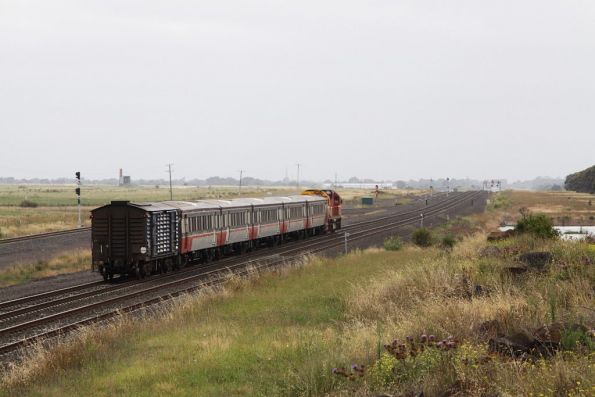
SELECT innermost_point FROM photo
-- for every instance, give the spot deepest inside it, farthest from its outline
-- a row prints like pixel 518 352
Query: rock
pixel 480 290
pixel 517 345
pixel 490 251
pixel 517 269
pixel 536 259
pixel 491 328
pixel 497 236
pixel 551 333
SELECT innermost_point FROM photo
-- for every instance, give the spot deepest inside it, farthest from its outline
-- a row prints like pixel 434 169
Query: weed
pixel 28 204
pixel 393 243
pixel 539 225
pixel 448 242
pixel 577 339
pixel 422 237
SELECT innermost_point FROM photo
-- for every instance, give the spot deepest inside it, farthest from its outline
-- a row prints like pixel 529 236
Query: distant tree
pixel 582 181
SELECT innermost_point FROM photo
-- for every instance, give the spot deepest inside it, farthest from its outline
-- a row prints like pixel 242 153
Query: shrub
pixel 28 204
pixel 393 243
pixel 539 225
pixel 422 237
pixel 448 242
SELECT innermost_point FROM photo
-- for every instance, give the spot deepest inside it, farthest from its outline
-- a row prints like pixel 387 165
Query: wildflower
pixel 432 338
pixel 423 338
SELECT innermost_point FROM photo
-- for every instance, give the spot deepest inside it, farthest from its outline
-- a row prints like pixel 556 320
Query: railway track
pixel 19 329
pixel 13 307
pixel 43 235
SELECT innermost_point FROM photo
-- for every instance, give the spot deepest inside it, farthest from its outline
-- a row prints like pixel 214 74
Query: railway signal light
pixel 77 190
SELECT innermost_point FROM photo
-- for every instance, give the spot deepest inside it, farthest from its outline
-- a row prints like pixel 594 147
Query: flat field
pixel 56 204
pixel 565 208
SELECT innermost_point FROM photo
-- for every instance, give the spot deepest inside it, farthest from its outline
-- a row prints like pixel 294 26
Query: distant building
pixel 123 180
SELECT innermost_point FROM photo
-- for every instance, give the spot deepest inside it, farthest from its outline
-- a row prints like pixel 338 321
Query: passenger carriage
pixel 143 238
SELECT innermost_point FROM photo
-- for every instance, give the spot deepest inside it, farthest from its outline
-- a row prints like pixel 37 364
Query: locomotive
pixel 139 239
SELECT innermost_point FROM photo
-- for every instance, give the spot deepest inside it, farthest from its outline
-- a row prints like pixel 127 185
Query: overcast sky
pixel 382 89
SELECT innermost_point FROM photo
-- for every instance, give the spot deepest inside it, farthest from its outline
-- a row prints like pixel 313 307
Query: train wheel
pixel 147 269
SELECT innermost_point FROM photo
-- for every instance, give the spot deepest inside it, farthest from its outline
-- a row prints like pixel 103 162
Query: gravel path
pixel 42 248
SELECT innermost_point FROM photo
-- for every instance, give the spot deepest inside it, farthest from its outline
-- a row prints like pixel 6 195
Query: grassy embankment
pixel 66 262
pixel 56 204
pixel 281 333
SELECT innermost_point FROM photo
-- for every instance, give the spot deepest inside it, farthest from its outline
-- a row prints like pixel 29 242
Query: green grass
pixel 278 337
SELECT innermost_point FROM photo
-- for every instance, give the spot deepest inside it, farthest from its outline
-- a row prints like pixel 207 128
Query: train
pixel 140 239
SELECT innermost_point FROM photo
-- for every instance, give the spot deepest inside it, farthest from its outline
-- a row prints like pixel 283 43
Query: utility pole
pixel 335 181
pixel 77 190
pixel 171 194
pixel 431 188
pixel 240 188
pixel 298 177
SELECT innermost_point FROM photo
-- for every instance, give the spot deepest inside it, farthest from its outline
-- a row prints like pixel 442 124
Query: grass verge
pixel 281 333
pixel 66 262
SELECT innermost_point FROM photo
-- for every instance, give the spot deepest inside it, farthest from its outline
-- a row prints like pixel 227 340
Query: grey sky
pixel 379 89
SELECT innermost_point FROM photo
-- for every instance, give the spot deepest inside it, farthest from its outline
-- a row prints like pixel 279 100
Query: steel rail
pixel 29 298
pixel 43 235
pixel 221 277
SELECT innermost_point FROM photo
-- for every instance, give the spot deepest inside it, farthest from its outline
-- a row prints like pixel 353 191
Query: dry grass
pixel 435 296
pixel 17 221
pixel 66 262
pixel 565 208
pixel 265 336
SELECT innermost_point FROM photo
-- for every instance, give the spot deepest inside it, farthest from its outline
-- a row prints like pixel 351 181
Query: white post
pixel 422 220
pixel 346 235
